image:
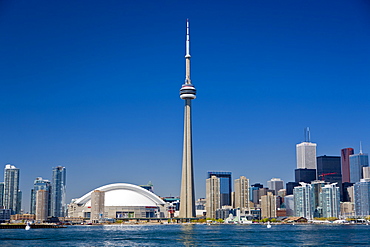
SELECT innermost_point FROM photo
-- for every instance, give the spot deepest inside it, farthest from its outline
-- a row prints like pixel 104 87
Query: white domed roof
pixel 122 194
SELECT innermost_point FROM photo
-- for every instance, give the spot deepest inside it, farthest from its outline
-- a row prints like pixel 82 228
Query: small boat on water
pixel 28 226
pixel 268 224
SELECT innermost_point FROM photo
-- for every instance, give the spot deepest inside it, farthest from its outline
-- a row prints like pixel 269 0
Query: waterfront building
pixel 58 192
pixel 187 93
pixel 212 196
pixel 12 195
pixel 97 205
pixel 362 197
pixel 305 175
pixel 289 205
pixel 225 186
pixel 303 201
pixel 241 186
pixel 1 194
pixel 347 209
pixel 5 215
pixel 40 184
pixel 42 205
pixel 357 162
pixel 268 205
pixel 275 184
pixel 345 153
pixel 330 200
pixel 329 169
pixel 306 153
pixel 121 201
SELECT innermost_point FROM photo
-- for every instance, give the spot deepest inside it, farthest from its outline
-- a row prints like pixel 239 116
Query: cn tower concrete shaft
pixel 187 93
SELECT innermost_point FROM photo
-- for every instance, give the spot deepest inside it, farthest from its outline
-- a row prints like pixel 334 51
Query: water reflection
pixel 187 232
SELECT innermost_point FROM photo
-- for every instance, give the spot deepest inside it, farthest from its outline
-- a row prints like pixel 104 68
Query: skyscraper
pixel 58 192
pixel 225 186
pixel 275 184
pixel 41 205
pixel 40 184
pixel 362 197
pixel 305 175
pixel 329 169
pixel 357 162
pixel 268 205
pixel 187 93
pixel 330 200
pixel 306 153
pixel 1 194
pixel 212 196
pixel 345 153
pixel 11 198
pixel 241 186
pixel 303 201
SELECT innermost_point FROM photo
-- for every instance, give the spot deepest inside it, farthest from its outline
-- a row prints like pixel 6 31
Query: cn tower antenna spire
pixel 187 55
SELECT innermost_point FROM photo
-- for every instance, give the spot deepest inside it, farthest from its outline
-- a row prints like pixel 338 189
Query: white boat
pixel 28 226
pixel 268 224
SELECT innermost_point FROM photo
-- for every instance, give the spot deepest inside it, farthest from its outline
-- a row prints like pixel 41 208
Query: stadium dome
pixel 123 194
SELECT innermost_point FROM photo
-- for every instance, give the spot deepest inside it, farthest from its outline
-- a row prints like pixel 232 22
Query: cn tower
pixel 187 93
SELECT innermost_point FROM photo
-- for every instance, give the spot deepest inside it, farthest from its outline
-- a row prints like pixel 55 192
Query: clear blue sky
pixel 94 86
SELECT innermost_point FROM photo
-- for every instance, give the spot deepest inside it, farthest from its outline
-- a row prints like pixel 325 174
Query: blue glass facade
pixel 225 186
pixel 58 192
pixel 356 162
pixel 362 197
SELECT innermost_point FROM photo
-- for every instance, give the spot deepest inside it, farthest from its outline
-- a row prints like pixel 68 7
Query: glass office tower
pixel 225 186
pixel 357 162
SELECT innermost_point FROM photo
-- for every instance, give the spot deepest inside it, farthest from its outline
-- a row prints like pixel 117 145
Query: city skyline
pixel 78 88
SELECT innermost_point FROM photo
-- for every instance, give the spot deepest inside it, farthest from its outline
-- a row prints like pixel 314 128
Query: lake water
pixel 190 235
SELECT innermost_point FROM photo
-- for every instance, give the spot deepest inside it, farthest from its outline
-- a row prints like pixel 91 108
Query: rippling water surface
pixel 190 235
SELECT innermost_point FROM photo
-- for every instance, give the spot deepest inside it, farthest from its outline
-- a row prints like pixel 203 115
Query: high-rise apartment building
pixel 306 155
pixel 97 205
pixel 40 184
pixel 212 196
pixel 303 201
pixel 12 195
pixel 345 153
pixel 41 205
pixel 58 192
pixel 241 186
pixel 330 200
pixel 275 184
pixel 225 186
pixel 329 169
pixel 362 197
pixel 268 205
pixel 1 194
pixel 357 162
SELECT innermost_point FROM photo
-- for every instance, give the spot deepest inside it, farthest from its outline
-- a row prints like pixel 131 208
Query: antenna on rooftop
pixel 307 137
pixel 360 147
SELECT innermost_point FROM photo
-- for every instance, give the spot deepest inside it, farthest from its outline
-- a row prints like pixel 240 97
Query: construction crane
pixel 325 174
